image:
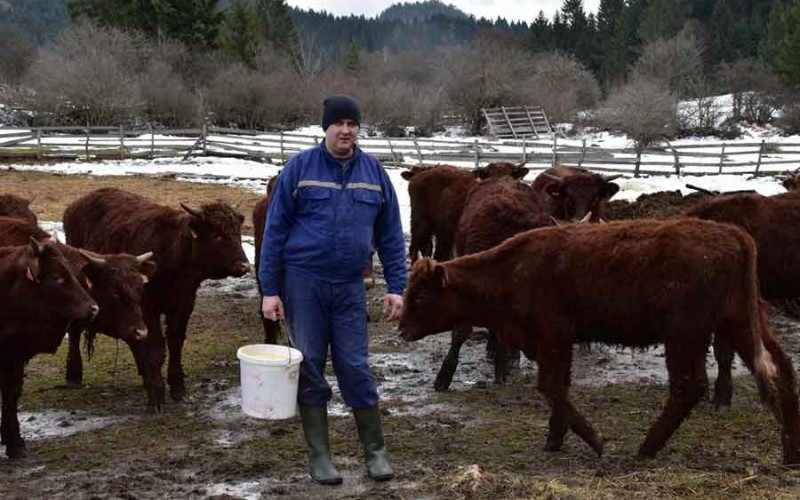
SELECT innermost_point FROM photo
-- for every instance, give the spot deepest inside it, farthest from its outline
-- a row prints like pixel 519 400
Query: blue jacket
pixel 324 218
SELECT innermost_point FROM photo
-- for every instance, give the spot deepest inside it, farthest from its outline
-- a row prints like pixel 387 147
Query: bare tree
pixel 645 110
pixel 756 89
pixel 676 63
pixel 167 101
pixel 561 86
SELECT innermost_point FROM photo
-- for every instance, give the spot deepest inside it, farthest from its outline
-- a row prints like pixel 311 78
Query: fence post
pixel 477 155
pixel 555 146
pixel 419 151
pixel 391 150
pixel 677 161
pixel 121 143
pixel 152 141
pixel 204 132
pixel 760 152
pixel 524 151
pixel 38 143
pixel 87 141
pixel 583 152
pixel 721 157
pixel 638 163
pixel 282 160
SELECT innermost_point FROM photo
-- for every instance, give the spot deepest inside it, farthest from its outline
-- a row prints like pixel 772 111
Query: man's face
pixel 340 137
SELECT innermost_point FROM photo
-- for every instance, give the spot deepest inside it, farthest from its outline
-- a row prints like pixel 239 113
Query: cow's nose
pixel 244 267
pixel 93 311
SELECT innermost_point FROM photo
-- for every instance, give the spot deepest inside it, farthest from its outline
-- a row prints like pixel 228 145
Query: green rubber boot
pixel 368 421
pixel 315 428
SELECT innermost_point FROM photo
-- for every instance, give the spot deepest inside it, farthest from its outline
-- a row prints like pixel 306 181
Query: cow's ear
pixel 610 189
pixel 407 175
pixel 480 172
pixel 440 273
pixel 519 173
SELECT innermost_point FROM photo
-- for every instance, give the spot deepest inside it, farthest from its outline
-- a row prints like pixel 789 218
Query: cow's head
pixel 501 169
pixel 428 304
pixel 58 295
pixel 116 282
pixel 17 207
pixel 216 231
pixel 791 182
pixel 413 171
pixel 574 197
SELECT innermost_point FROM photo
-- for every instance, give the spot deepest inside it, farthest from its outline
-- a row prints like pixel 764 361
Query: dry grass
pixel 54 192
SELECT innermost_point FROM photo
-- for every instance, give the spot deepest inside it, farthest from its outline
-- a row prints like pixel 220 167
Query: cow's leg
pixel 11 388
pixel 555 363
pixel 723 387
pixel 444 247
pixel 688 382
pixel 445 376
pixel 74 361
pixel 153 353
pixel 421 237
pixel 177 322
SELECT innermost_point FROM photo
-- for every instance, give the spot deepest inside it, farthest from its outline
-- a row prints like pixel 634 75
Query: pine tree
pixel 608 14
pixel 277 27
pixel 194 22
pixel 662 19
pixel 239 34
pixel 540 35
pixel 353 61
pixel 776 30
pixel 573 15
pixel 723 34
pixel 560 33
pixel 788 57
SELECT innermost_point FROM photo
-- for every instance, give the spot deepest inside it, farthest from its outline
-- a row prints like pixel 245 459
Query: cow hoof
pixel 550 447
pixel 156 409
pixel 597 444
pixel 441 385
pixel 16 452
pixel 73 384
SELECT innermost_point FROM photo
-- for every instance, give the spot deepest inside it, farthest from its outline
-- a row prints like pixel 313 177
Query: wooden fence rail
pixel 70 142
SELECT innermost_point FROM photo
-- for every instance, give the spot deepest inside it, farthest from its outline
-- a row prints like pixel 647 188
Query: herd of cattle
pixel 540 265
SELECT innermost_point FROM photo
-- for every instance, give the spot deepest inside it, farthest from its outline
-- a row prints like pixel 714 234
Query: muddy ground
pixel 476 441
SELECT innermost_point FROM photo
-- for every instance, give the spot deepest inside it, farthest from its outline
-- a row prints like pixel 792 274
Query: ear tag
pixel 145 279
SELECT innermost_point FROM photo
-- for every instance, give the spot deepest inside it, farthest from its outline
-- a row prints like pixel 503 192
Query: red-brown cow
pixel 571 193
pixel 17 207
pixel 39 298
pixel 791 182
pixel 437 199
pixel 633 283
pixel 271 328
pixel 494 211
pixel 189 246
pixel 774 223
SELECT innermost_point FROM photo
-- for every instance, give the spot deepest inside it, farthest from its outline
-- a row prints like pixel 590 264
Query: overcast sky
pixel 511 10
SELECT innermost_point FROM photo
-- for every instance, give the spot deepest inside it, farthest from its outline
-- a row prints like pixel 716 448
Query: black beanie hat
pixel 339 107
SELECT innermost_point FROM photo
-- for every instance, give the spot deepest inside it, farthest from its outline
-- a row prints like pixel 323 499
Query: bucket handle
pixel 285 327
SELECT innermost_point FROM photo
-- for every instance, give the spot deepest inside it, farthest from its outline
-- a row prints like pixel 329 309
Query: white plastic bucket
pixel 269 380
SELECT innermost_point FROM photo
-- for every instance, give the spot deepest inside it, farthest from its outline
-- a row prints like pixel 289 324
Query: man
pixel 330 204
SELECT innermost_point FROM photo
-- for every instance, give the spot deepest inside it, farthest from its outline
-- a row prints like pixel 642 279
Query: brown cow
pixel 17 207
pixel 271 328
pixel 774 223
pixel 632 283
pixel 791 181
pixel 571 193
pixel 39 298
pixel 189 246
pixel 494 211
pixel 437 199
pixel 115 282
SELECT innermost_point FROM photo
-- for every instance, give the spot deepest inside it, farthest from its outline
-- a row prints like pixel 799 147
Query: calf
pixel 494 211
pixel 189 246
pixel 17 207
pixel 633 283
pixel 571 193
pixel 437 199
pixel 115 282
pixel 39 298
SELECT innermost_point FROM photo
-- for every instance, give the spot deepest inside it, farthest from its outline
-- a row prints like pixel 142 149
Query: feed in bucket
pixel 269 375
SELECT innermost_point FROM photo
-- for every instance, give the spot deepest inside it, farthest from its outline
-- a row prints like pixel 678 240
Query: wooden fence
pixel 702 158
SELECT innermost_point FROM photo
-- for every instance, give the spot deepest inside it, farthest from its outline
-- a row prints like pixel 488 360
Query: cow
pixel 188 245
pixel 17 207
pixel 39 298
pixel 774 224
pixel 791 182
pixel 494 211
pixel 271 328
pixel 631 283
pixel 437 199
pixel 115 282
pixel 571 193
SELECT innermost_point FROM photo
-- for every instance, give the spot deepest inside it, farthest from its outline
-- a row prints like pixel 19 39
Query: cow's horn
pixel 520 164
pixel 144 257
pixel 36 246
pixel 609 178
pixel 91 258
pixel 585 218
pixel 35 195
pixel 194 211
pixel 555 221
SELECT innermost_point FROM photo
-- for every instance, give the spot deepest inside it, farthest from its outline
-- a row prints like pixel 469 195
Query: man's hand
pixel 393 306
pixel 272 307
